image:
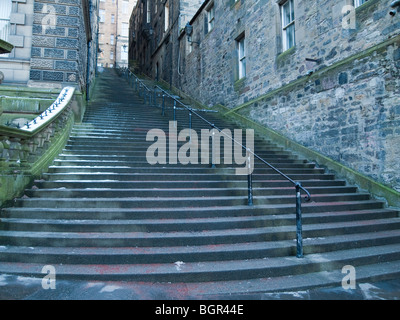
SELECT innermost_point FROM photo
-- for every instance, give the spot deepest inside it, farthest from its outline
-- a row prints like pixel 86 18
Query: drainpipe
pixel 88 71
pixel 89 45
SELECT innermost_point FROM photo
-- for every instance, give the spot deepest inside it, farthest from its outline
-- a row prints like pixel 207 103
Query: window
pixel 102 14
pixel 124 53
pixel 210 18
pixel 112 18
pixel 125 29
pixel 148 15
pixel 288 25
pixel 5 12
pixel 241 53
pixel 112 55
pixel 125 6
pixel 358 3
pixel 112 39
pixel 166 17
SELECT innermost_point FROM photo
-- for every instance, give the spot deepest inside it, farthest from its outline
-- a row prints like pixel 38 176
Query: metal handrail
pixel 296 184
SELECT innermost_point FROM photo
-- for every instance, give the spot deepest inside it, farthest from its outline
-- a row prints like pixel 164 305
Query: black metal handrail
pixel 296 184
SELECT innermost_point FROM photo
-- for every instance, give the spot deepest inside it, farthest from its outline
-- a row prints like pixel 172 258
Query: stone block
pixel 73 32
pixel 67 43
pixel 71 77
pixel 36 52
pixel 72 54
pixel 16 40
pixel 41 63
pixel 17 18
pixel 35 75
pixel 67 21
pixel 55 31
pixel 66 65
pixel 53 53
pixel 53 76
pixel 42 41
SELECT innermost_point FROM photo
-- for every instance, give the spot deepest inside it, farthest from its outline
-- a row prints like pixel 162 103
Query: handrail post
pixel 212 147
pixel 190 125
pixel 299 227
pixel 250 189
pixel 249 182
pixel 174 110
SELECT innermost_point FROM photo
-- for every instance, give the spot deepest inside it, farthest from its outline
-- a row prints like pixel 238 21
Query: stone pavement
pixel 24 288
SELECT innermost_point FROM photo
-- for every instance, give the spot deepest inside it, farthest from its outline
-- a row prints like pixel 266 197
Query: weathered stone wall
pixel 60 43
pixel 350 113
pixel 331 92
pixel 154 48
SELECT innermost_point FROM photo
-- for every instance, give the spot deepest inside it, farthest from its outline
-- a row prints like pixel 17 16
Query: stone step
pixel 223 252
pixel 214 271
pixel 144 238
pixel 182 192
pixel 96 162
pixel 175 202
pixel 175 177
pixel 183 169
pixel 102 212
pixel 171 224
pixel 84 184
pixel 340 209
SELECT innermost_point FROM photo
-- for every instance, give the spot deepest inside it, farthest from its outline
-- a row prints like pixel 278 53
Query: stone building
pixel 323 75
pixel 55 42
pixel 154 30
pixel 114 32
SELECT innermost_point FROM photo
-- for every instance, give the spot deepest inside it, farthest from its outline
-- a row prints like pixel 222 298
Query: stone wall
pixel 60 42
pixel 336 91
pixel 154 48
pixel 350 113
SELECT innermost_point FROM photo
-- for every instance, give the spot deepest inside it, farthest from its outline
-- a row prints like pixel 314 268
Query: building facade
pixel 55 42
pixel 114 32
pixel 154 30
pixel 324 74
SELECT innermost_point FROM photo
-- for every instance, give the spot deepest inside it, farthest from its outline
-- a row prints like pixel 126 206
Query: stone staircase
pixel 103 213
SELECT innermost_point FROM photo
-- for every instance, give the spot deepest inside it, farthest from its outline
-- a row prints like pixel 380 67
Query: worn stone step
pixel 239 182
pixel 237 251
pixel 175 176
pixel 214 271
pixel 116 162
pixel 190 238
pixel 182 192
pixel 171 224
pixel 183 169
pixel 349 208
pixel 175 202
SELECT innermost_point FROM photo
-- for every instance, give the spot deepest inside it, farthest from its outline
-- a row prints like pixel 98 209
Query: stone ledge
pixel 5 47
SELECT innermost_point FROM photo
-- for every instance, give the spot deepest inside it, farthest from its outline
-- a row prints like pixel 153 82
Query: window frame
pixel 166 17
pixel 288 40
pixel 241 56
pixel 5 19
pixel 210 11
